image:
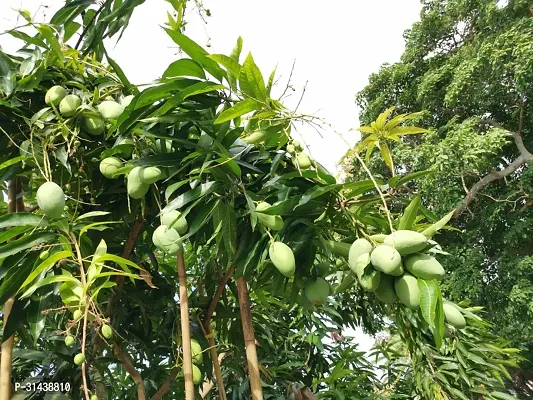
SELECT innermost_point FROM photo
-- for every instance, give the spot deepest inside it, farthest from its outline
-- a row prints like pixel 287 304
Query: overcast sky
pixel 336 46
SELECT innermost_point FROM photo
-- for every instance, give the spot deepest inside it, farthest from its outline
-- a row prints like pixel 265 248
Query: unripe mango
pixel 54 95
pixel 303 161
pixel 126 147
pixel 385 291
pixel 69 340
pixel 136 188
pixel 317 290
pixel 110 109
pixel 387 260
pixel 196 375
pixel 79 359
pixel 274 222
pixel 369 281
pixel 126 101
pixel 379 237
pixel 150 175
pixel 196 351
pixel 77 315
pixel 357 249
pixel 51 199
pixel 107 332
pixel 282 257
pixel 406 287
pixel 424 266
pixel 406 242
pixel 256 137
pixel 109 166
pixel 167 239
pixel 297 145
pixel 94 125
pixel 291 149
pixel 205 141
pixel 173 219
pixel 69 105
pixel 323 269
pixel 453 316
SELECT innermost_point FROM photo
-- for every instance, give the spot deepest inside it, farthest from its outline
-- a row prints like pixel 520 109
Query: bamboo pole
pixel 185 328
pixel 7 346
pixel 249 339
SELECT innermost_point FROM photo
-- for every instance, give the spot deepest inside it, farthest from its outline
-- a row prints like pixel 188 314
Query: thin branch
pixel 165 387
pixel 127 363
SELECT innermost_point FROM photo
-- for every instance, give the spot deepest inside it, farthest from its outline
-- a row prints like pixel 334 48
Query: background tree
pixel 467 66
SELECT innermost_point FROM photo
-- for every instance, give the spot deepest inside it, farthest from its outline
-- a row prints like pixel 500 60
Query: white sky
pixel 336 45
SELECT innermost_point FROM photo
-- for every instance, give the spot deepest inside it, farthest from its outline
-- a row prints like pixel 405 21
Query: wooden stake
pixel 185 328
pixel 7 346
pixel 249 339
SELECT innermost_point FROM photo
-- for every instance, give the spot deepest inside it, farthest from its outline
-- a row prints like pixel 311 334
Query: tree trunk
pixel 249 339
pixel 7 346
pixel 185 328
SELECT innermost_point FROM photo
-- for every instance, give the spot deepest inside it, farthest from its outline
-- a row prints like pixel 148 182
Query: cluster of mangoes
pixel 391 270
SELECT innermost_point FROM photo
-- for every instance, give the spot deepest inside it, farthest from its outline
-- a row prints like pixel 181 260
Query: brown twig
pixel 127 363
pixel 249 339
pixel 165 387
pixel 185 328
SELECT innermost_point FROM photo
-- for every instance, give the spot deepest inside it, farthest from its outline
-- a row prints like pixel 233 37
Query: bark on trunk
pixel 249 339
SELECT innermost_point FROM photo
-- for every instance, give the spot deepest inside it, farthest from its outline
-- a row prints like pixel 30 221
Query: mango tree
pixel 176 241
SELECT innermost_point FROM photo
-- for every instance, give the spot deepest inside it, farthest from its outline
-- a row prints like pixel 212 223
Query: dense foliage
pixel 175 196
pixel 468 68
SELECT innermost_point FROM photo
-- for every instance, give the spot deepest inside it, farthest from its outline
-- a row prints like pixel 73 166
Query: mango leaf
pixel 18 267
pixel 429 232
pixel 48 281
pixel 191 195
pixel 271 81
pixel 428 299
pixel 502 396
pixel 316 191
pixel 50 37
pixel 398 180
pixel 45 266
pixel 8 163
pixel 25 243
pixel 386 155
pixel 232 66
pixel 18 316
pixel 36 319
pixel 225 215
pixel 405 130
pixel 184 67
pixel 22 219
pixel 438 330
pixel 240 108
pixel 92 214
pixel 251 80
pixel 408 218
pixel 197 53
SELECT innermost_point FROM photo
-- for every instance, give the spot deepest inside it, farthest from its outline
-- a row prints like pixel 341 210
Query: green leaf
pixel 92 214
pixel 36 319
pixel 240 108
pixel 22 219
pixel 409 215
pixel 225 214
pixel 438 331
pixel 17 268
pixel 232 66
pixel 9 163
pixel 502 396
pixel 271 81
pixel 191 195
pixel 386 155
pixel 121 75
pixel 24 243
pixel 197 53
pixel 70 29
pixel 251 80
pixel 382 118
pixel 50 37
pixel 429 232
pixel 47 281
pixel 236 52
pixel 428 299
pixel 398 180
pixel 405 130
pixel 45 266
pixel 184 67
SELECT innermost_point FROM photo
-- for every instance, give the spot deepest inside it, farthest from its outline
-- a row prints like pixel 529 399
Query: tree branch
pixel 525 157
pixel 165 387
pixel 127 363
